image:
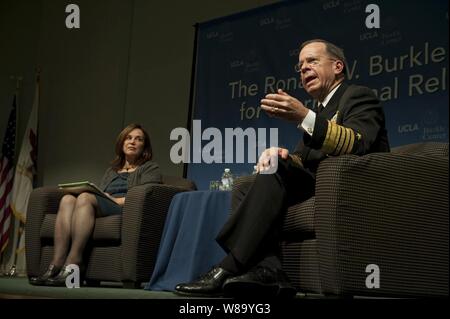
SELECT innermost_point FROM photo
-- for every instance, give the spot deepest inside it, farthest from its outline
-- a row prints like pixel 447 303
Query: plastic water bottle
pixel 227 180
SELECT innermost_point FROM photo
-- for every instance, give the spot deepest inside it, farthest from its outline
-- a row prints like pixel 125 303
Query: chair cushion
pixel 425 149
pixel 299 221
pixel 300 261
pixel 179 182
pixel 106 228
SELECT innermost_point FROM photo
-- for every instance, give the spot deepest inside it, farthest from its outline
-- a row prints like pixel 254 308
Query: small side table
pixel 188 247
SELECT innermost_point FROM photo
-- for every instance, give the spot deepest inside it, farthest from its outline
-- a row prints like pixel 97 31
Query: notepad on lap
pixel 82 187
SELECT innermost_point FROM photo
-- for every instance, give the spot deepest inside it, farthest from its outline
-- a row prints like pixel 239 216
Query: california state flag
pixel 23 184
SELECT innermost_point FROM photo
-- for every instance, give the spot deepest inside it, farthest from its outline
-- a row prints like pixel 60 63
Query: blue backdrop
pixel 241 58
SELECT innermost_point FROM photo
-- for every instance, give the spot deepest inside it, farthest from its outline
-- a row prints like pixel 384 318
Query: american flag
pixel 6 177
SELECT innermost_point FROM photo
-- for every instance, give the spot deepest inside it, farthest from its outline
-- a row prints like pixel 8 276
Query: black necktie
pixel 319 107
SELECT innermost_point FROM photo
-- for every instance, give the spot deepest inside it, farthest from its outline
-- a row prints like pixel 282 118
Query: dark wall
pixel 129 62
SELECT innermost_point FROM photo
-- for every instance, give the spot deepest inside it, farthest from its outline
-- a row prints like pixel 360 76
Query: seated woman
pixel 76 216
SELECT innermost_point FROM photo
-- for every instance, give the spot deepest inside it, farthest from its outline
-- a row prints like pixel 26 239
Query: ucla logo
pixel 212 35
pixel 266 21
pixel 408 128
pixel 330 4
pixel 368 36
pixel 236 63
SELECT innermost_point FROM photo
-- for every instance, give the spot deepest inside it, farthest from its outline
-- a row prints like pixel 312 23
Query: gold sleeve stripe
pixel 351 143
pixel 339 140
pixel 342 138
pixel 344 144
pixel 347 142
pixel 328 143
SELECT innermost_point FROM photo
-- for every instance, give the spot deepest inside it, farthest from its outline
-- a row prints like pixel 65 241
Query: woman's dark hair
pixel 146 155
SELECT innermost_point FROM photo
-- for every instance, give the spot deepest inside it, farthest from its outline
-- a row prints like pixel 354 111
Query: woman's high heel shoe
pixel 60 279
pixel 41 280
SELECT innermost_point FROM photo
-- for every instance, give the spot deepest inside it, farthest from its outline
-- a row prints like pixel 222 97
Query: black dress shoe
pixel 260 282
pixel 209 284
pixel 41 280
pixel 60 279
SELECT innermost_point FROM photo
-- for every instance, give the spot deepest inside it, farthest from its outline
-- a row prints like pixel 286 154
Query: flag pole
pixel 18 79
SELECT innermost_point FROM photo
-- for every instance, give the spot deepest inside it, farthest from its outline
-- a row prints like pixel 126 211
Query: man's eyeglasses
pixel 311 62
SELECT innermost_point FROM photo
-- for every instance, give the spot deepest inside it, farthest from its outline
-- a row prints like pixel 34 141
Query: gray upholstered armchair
pixel 383 209
pixel 123 247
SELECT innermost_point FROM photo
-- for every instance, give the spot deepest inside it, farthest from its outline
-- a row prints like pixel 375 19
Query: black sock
pixel 229 263
pixel 271 262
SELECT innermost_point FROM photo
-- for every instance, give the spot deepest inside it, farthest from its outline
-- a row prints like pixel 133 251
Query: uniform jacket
pixel 353 122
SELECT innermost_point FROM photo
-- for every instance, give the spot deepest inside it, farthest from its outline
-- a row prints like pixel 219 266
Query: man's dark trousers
pixel 252 233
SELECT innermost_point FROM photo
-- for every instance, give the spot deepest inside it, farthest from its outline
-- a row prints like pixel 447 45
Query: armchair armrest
pixel 42 201
pixel 143 219
pixel 386 209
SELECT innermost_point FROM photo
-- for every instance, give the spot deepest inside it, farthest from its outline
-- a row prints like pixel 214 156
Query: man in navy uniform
pixel 348 120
